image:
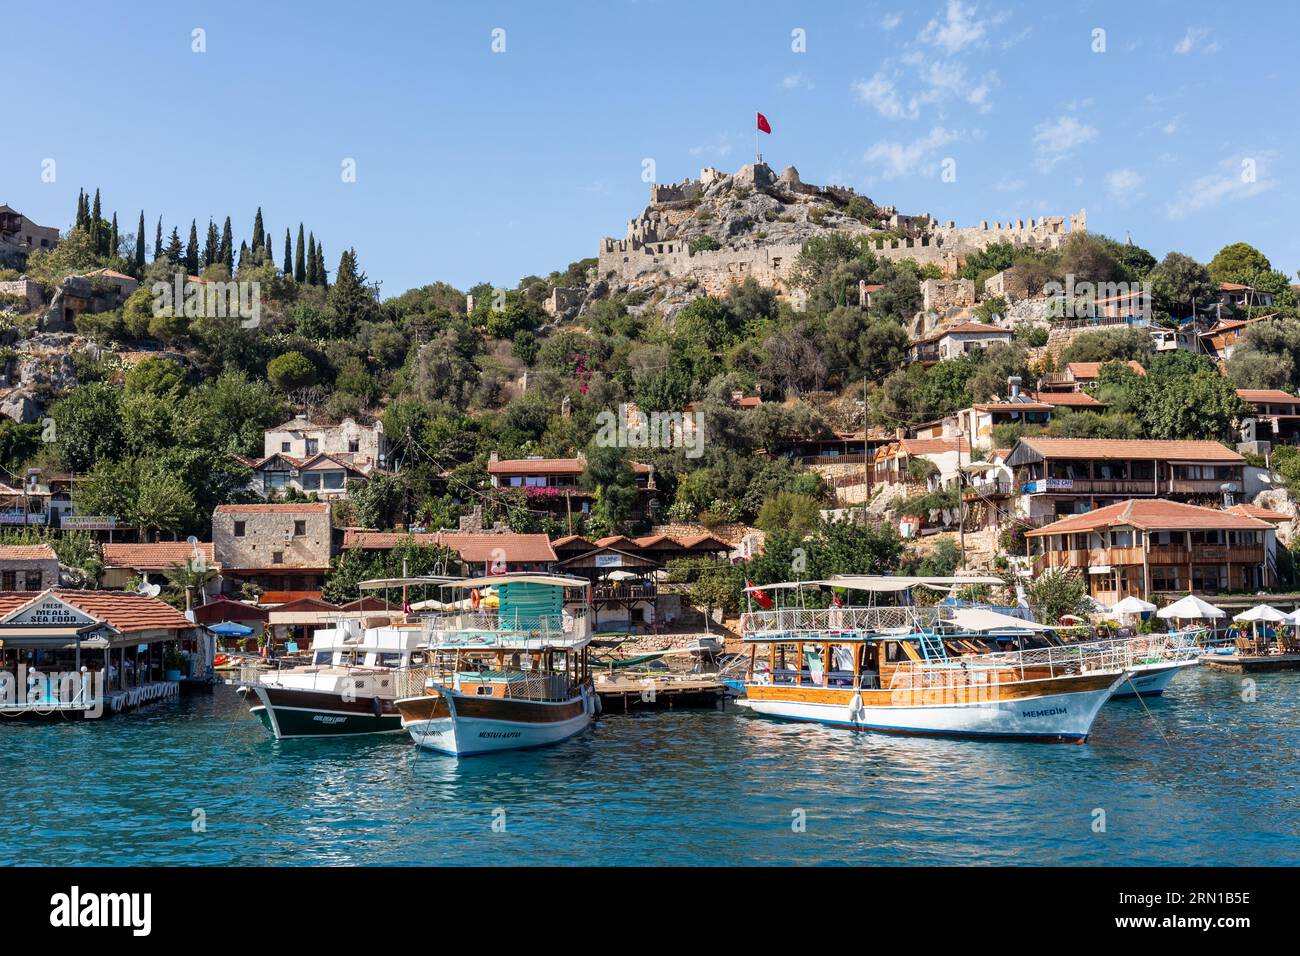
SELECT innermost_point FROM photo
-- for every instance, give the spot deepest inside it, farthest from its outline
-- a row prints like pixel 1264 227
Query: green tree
pixel 300 267
pixel 291 371
pixel 1179 282
pixel 1239 262
pixel 87 425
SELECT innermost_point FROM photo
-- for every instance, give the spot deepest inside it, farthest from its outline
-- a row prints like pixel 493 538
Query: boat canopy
pixel 978 620
pixel 380 584
pixel 495 580
pixel 875 582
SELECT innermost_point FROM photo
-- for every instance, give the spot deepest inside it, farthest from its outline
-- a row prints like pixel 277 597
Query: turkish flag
pixel 760 596
pixel 763 124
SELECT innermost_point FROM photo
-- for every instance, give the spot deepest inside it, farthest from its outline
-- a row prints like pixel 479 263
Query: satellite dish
pixel 191 541
pixel 1228 486
pixel 149 590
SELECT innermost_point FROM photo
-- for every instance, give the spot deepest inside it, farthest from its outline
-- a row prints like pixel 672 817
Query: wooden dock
pixel 1243 663
pixel 627 693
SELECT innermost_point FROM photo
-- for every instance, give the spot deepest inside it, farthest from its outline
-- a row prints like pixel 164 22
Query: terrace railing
pixel 820 623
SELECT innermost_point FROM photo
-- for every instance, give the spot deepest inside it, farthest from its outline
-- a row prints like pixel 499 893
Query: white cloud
pixel 1009 185
pixel 891 21
pixel 1123 183
pixel 880 93
pixel 720 147
pixel 1171 127
pixel 1192 42
pixel 1055 140
pixel 797 81
pixel 1236 178
pixel 900 159
pixel 957 30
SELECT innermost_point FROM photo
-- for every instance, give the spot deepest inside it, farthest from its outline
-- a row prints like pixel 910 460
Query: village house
pixel 283 550
pixel 1220 339
pixel 1276 415
pixel 479 554
pixel 894 462
pixel 1018 408
pixel 324 475
pixel 1066 476
pixel 1141 547
pixel 555 484
pixel 1241 296
pixel 19 237
pixel 958 340
pixel 151 562
pixel 28 567
pixel 361 446
pixel 1077 376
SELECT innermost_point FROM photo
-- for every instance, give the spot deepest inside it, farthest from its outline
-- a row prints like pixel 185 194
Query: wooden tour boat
pixel 505 678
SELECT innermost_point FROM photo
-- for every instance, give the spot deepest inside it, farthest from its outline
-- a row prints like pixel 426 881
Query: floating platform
pixel 112 702
pixel 1241 663
pixel 627 693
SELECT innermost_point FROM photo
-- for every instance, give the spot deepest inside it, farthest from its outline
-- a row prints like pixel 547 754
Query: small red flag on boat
pixel 760 596
pixel 763 124
pixel 836 598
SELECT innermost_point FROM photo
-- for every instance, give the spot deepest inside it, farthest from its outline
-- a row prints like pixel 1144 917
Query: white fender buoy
pixel 855 707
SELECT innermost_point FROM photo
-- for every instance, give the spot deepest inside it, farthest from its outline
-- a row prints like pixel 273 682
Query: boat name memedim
pixel 75 909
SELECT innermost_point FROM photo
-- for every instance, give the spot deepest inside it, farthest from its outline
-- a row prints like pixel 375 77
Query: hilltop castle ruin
pixel 759 222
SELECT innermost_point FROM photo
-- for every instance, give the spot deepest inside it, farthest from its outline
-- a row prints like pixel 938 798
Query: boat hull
pixel 296 713
pixel 1053 710
pixel 1151 680
pixel 470 726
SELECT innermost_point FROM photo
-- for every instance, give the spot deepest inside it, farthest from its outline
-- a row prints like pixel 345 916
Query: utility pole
pixel 866 454
pixel 961 500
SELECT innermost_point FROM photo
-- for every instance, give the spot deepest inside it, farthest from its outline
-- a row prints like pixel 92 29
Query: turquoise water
pixel 1208 778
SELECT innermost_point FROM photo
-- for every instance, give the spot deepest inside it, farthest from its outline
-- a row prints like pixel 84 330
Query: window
pixel 354 445
pixel 313 446
pixel 284 446
pixel 277 557
pixel 311 481
pixel 1209 578
pixel 239 529
pixel 33 580
pixel 9 581
pixel 299 528
pixel 333 480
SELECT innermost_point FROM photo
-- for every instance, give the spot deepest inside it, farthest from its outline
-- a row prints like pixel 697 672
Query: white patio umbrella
pixel 1190 608
pixel 1294 617
pixel 1260 612
pixel 1132 605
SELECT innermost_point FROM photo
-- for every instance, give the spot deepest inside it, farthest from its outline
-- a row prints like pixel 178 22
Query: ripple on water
pixel 1205 776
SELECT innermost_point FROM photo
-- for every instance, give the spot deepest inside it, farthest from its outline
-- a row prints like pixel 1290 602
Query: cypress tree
pixel 81 209
pixel 112 246
pixel 139 246
pixel 192 250
pixel 259 234
pixel 288 254
pixel 226 254
pixel 300 268
pixel 270 248
pixel 322 277
pixel 157 241
pixel 311 258
pixel 211 245
pixel 97 237
pixel 174 251
pixel 243 255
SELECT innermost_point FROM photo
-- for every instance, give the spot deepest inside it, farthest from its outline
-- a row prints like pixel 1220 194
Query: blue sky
pixel 480 166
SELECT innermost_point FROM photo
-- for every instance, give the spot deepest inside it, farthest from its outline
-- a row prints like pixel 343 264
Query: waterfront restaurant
pixel 116 650
pixel 1141 547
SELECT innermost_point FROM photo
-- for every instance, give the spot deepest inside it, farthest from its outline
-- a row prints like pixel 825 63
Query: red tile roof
pixel 124 611
pixel 517 467
pixel 517 548
pixel 973 327
pixel 1132 449
pixel 1255 511
pixel 27 552
pixel 1087 370
pixel 224 609
pixel 158 556
pixel 1256 395
pixel 1151 514
pixel 1013 407
pixel 1071 399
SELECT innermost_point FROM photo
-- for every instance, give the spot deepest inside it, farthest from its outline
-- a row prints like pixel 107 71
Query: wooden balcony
pixel 1160 555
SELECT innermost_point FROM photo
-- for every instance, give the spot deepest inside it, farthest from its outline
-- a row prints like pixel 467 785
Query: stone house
pixel 358 445
pixel 284 549
pixel 958 340
pixel 151 562
pixel 20 236
pixel 28 567
pixel 325 476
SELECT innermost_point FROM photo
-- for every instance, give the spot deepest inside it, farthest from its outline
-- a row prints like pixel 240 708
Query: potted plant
pixel 173 664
